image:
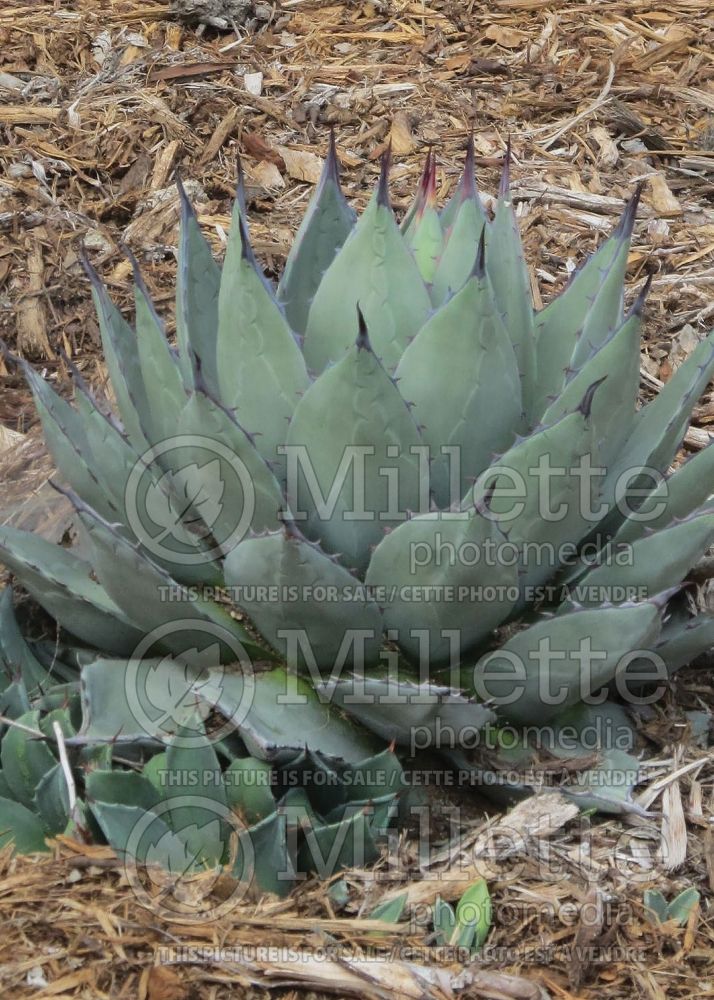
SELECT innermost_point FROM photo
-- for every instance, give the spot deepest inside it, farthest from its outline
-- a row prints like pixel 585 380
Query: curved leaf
pixel 21 827
pixel 559 325
pixel 674 498
pixel 509 276
pixel 16 657
pixel 360 472
pixel 287 715
pixel 655 563
pixel 324 228
pixel 64 585
pixel 97 460
pixel 25 759
pixel 277 580
pixel 443 584
pixel 159 366
pixel 460 373
pixel 540 492
pixel 261 372
pixel 617 365
pixel 560 661
pixel 197 284
pixel 227 462
pixel 409 714
pixel 181 620
pixel 375 271
pixel 122 358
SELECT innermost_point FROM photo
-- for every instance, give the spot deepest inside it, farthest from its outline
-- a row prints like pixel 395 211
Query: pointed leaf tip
pixel 362 343
pixel 136 271
pixel 662 599
pixel 8 355
pixel 479 270
pixel 290 528
pixel 627 220
pixel 505 185
pixel 240 186
pixel 131 257
pixel 468 177
pixel 425 175
pixel 332 163
pixel 246 250
pixel 470 160
pixel 430 191
pixel 90 271
pixel 638 305
pixel 587 401
pixel 383 188
pixel 185 201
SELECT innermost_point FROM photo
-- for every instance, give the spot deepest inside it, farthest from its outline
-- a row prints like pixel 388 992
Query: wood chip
pixel 253 83
pixel 186 71
pixel 674 828
pixel 165 984
pixel 301 166
pixel 256 146
pixel 265 175
pixel 401 134
pixel 506 37
pixel 32 340
pixel 8 438
pixel 661 197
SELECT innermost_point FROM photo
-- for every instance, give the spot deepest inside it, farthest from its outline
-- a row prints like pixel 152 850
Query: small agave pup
pixel 387 473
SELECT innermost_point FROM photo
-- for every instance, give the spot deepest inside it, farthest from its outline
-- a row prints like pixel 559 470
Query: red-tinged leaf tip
pixel 290 529
pixel 362 343
pixel 422 189
pixel 470 159
pixel 505 185
pixel 586 403
pixel 638 306
pixel 467 183
pixel 425 174
pixel 383 187
pixel 430 190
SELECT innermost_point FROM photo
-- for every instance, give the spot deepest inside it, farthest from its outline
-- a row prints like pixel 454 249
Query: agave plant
pixel 316 532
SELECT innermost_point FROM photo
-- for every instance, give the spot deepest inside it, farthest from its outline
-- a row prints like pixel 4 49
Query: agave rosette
pixel 323 474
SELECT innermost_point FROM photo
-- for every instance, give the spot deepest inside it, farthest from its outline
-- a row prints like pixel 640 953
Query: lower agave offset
pixel 442 509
